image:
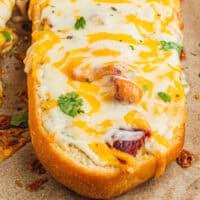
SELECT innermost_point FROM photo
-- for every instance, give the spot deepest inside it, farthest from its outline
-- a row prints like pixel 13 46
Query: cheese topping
pixel 73 41
pixel 7 37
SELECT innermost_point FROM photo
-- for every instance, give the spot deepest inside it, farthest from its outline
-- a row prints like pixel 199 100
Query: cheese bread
pixel 106 100
pixel 7 37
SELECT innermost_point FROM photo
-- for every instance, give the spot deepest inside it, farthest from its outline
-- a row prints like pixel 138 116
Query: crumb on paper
pixel 18 183
pixel 36 185
pixel 37 167
pixel 4 122
pixel 20 56
pixel 197 96
pixel 185 159
pixel 183 55
pixel 23 95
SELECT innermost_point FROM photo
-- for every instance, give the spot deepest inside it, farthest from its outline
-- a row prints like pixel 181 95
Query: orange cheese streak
pixel 140 24
pixel 106 52
pixel 112 36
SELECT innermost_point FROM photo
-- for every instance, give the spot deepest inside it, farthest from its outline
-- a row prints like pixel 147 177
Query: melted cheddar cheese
pixel 121 33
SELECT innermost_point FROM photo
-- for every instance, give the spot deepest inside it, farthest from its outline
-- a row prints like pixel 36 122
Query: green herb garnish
pixel 20 120
pixel 164 96
pixel 132 47
pixel 171 45
pixel 70 104
pixel 6 35
pixel 145 88
pixel 80 23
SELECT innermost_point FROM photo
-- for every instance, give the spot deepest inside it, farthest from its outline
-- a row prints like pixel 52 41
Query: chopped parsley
pixel 132 47
pixel 80 23
pixel 145 88
pixel 70 104
pixel 6 35
pixel 20 120
pixel 164 96
pixel 171 45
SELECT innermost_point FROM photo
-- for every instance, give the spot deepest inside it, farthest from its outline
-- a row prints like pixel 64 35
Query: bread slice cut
pixel 106 100
pixel 7 37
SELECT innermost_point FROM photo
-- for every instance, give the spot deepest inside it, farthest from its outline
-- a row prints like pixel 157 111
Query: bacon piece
pixel 131 146
pixel 127 91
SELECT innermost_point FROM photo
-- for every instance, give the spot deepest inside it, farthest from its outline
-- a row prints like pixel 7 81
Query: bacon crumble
pixel 18 183
pixel 36 166
pixel 36 185
pixel 197 96
pixel 4 122
pixel 185 159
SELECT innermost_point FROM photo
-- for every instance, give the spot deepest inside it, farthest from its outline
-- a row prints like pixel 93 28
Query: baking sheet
pixel 176 184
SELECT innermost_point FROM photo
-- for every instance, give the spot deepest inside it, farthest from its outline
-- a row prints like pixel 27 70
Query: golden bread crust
pixel 87 182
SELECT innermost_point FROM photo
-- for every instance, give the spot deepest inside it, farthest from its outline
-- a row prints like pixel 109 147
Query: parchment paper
pixel 176 184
